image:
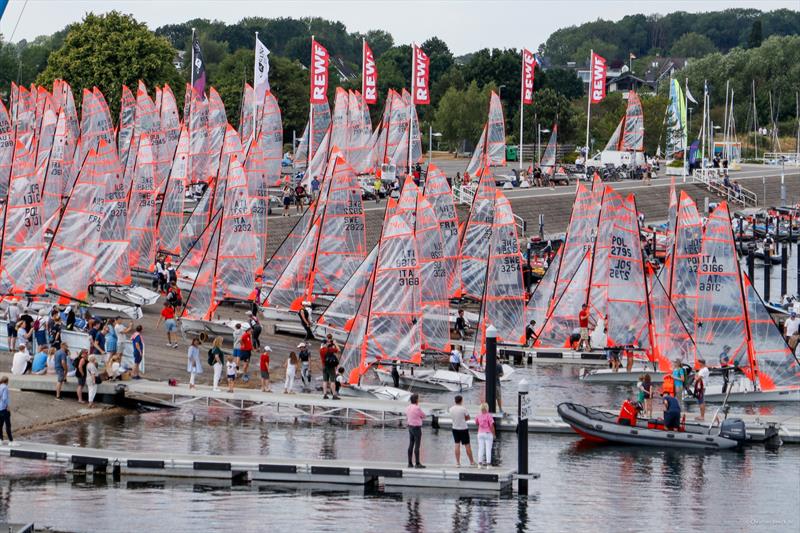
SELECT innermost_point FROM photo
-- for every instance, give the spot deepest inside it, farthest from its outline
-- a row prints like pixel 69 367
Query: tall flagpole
pixel 686 129
pixel 310 113
pixel 588 118
pixel 191 69
pixel 521 106
pixel 363 58
pixel 255 96
pixel 413 94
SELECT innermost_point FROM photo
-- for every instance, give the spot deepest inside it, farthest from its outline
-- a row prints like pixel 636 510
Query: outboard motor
pixel 734 429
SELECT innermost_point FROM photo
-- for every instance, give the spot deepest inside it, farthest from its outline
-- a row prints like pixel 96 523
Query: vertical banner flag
pixel 261 73
pixel 597 78
pixel 528 69
pixel 369 76
pixel 319 73
pixel 3 4
pixel 198 68
pixel 421 71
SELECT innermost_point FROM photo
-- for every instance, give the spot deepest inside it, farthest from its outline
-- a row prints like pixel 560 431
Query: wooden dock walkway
pixel 263 470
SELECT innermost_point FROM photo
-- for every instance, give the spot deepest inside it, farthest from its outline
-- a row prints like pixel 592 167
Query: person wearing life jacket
pixel 668 386
pixel 628 413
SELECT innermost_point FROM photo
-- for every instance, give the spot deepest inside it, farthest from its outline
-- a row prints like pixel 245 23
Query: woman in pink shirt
pixel 414 417
pixel 486 434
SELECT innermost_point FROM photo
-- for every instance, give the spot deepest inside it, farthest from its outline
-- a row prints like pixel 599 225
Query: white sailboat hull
pixel 607 375
pixel 742 392
pixel 480 375
pixel 431 380
pixel 224 328
pixel 379 392
pixel 132 294
pixel 109 310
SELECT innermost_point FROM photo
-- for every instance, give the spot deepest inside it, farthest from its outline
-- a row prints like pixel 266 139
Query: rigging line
pixel 14 31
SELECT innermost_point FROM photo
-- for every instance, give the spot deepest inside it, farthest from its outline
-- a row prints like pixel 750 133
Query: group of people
pixel 298 195
pixel 459 415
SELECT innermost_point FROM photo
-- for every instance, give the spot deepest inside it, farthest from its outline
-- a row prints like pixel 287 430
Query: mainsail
pixel 682 265
pixel 7 144
pixel 270 140
pixel 474 248
pixel 126 126
pixel 491 148
pixel 142 208
pixel 438 193
pixel 321 121
pixel 170 216
pixel 247 115
pixel 170 125
pixel 112 266
pixel 23 243
pixel 548 161
pixel 633 130
pixel 258 194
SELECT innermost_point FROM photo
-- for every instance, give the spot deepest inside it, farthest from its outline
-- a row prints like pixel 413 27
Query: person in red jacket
pixel 583 324
pixel 628 413
pixel 245 350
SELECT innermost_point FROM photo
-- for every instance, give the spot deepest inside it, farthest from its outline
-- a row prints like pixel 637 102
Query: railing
pixel 775 158
pixel 711 179
pixel 465 194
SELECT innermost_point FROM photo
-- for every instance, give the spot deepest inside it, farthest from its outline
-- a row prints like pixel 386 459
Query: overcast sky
pixel 465 25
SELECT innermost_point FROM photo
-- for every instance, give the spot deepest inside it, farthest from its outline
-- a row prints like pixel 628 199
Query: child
pixel 264 364
pixel 340 381
pixel 291 371
pixel 230 366
pixel 486 433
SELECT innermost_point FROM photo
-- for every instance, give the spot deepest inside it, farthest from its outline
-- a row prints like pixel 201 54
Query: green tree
pixel 693 45
pixel 379 42
pixel 460 115
pixel 110 50
pixel 755 38
pixel 561 80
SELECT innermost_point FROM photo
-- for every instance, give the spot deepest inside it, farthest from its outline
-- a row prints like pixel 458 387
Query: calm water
pixel 582 486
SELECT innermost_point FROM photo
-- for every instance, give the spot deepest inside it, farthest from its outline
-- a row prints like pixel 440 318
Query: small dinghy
pixel 379 392
pixel 601 426
pixel 480 375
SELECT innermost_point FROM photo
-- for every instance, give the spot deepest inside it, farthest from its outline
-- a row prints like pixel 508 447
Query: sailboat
pixel 548 162
pixel 626 145
pixel 491 148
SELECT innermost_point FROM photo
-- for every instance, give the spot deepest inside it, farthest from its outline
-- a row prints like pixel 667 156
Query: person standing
pixel 264 366
pixel 112 339
pixel 305 319
pixel 230 371
pixel 583 324
pixel 530 333
pixel 193 365
pixel 170 325
pixel 486 434
pixel 12 315
pixel 455 359
pixel 216 357
pixel 291 371
pixel 330 363
pixel 91 379
pixel 23 333
pixel 376 189
pixel 286 198
pixel 245 352
pixel 678 378
pixel 700 382
pixel 61 368
pixel 80 373
pixel 305 372
pixel 138 351
pixel 395 375
pixel 459 415
pixel 255 329
pixel 461 325
pixel 314 188
pixel 5 412
pixel 414 417
pixel 791 326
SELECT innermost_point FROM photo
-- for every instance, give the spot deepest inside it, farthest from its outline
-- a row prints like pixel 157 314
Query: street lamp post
pixel 539 141
pixel 431 135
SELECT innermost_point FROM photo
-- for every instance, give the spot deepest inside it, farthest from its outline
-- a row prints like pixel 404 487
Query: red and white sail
pixel 142 208
pixel 170 125
pixel 271 140
pixel 504 295
pixel 342 310
pixel 632 139
pixel 438 193
pixel 474 248
pixel 23 246
pixel 321 115
pixel 548 161
pixel 112 266
pixel 258 195
pixel 359 133
pixel 681 268
pixel 59 172
pixel 170 216
pixel 247 113
pixel 75 246
pixel 7 143
pixel 201 301
pixel 126 124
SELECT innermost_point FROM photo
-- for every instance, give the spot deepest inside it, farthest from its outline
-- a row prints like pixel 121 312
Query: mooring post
pixel 491 368
pixel 767 273
pixel 751 264
pixel 784 268
pixel 523 410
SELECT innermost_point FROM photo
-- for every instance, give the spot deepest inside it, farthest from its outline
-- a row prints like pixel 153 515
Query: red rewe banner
pixel 421 70
pixel 369 76
pixel 597 78
pixel 319 73
pixel 528 70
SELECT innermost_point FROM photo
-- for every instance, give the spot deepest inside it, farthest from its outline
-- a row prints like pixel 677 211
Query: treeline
pixel 679 34
pixel 113 49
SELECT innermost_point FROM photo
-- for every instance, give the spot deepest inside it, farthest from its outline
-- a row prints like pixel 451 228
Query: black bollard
pixel 523 410
pixel 797 255
pixel 784 268
pixel 751 264
pixel 491 368
pixel 541 226
pixel 767 273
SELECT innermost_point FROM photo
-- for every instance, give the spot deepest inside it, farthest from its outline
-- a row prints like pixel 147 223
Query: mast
pixel 255 96
pixel 521 108
pixel 412 108
pixel 725 121
pixel 703 131
pixel 686 130
pixel 755 118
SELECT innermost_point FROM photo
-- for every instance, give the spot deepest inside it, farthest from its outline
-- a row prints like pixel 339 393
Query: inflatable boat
pixel 601 426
